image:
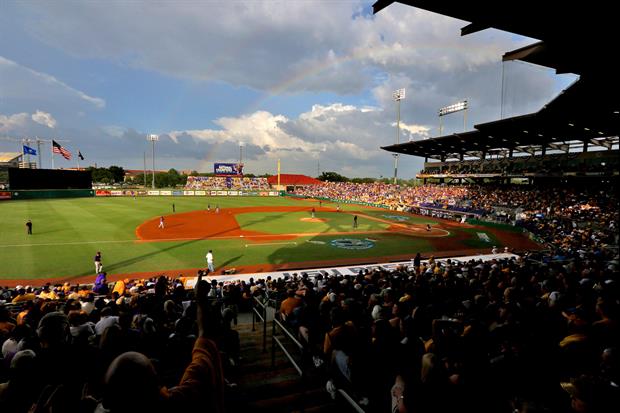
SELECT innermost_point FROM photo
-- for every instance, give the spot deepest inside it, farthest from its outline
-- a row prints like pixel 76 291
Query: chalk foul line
pixel 270 243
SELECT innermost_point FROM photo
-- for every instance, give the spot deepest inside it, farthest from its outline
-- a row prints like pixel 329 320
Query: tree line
pixel 336 177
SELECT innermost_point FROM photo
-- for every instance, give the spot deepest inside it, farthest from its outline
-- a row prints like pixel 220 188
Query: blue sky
pixel 298 81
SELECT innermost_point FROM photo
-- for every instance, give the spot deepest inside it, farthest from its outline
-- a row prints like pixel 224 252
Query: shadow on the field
pixel 140 258
pixel 265 218
pixel 317 247
pixel 229 261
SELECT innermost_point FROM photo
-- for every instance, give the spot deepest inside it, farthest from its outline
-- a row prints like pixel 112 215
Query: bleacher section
pixel 585 164
pixel 224 183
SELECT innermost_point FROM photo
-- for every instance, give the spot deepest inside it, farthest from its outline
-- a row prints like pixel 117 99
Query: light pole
pixel 153 138
pixel 456 107
pixel 397 95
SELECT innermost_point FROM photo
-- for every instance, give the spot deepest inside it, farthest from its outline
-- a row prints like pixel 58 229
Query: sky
pixel 308 82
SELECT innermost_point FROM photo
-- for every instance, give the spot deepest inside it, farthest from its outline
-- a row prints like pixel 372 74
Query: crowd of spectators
pixel 533 334
pixel 392 196
pixel 223 183
pixel 148 345
pixel 496 336
pixel 570 219
pixel 552 164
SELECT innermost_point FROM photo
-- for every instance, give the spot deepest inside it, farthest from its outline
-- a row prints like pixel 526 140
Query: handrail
pixel 263 317
pixel 351 402
pixel 288 356
pixel 288 333
pixel 275 340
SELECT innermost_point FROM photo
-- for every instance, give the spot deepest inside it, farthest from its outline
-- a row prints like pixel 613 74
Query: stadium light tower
pixel 457 107
pixel 397 95
pixel 241 144
pixel 153 138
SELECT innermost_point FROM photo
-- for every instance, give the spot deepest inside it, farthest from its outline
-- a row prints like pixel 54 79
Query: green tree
pixel 101 175
pixel 118 173
pixel 363 180
pixel 332 177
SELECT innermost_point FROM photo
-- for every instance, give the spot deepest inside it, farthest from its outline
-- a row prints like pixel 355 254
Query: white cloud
pixel 24 123
pixel 19 82
pixel 341 137
pixel 276 48
pixel 10 123
pixel 281 47
pixel 419 131
pixel 44 118
pixel 114 130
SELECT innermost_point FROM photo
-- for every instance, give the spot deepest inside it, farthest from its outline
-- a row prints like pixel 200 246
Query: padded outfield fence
pixel 87 193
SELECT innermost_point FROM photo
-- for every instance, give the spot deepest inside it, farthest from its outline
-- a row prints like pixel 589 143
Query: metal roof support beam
pixel 560 146
pixel 527 149
pixel 604 143
pixel 473 28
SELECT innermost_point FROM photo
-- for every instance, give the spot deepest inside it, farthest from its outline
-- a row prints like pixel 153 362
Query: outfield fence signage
pixel 116 192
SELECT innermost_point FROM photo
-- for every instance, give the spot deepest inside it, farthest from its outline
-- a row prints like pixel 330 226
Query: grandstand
pixel 518 331
pixel 224 183
pixel 584 117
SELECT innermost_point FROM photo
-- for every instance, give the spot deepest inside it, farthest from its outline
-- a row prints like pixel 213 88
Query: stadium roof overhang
pixel 7 157
pixel 572 39
pixel 585 112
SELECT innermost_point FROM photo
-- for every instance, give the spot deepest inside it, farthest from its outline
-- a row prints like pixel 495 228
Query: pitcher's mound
pixel 313 219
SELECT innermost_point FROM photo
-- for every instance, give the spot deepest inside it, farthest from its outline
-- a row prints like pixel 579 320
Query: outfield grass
pixel 282 222
pixel 68 232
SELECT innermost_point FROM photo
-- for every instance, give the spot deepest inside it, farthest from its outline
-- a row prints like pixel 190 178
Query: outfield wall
pixel 85 193
pixel 181 192
pixel 48 194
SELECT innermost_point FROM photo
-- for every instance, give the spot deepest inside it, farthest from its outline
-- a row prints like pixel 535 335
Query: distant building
pixel 288 181
pixel 131 174
pixel 10 160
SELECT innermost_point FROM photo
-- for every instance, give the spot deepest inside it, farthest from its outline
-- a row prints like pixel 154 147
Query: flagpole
pixel 77 158
pixel 52 150
pixel 23 153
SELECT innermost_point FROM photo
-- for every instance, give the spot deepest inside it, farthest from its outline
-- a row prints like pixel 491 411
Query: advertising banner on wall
pixel 5 195
pixel 227 169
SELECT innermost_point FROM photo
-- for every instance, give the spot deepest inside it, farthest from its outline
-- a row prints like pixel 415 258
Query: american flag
pixel 56 148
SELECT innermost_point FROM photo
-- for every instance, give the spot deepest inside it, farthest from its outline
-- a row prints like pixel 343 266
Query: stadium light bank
pixel 456 107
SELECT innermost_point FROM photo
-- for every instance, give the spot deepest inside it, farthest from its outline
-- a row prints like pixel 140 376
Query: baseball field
pixel 248 234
